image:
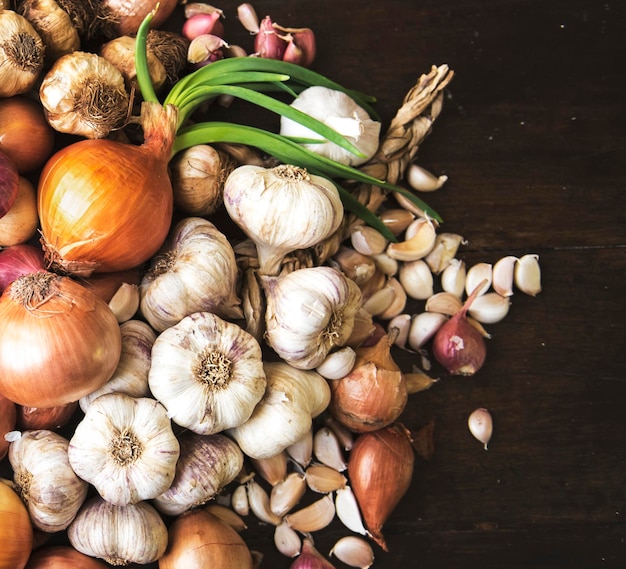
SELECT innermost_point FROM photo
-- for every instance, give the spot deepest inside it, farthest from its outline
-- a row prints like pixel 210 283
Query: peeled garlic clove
pixel 423 327
pixel 314 517
pixel 444 303
pixel 489 308
pixel 327 449
pixel 324 479
pixel 125 302
pixel 287 540
pixel 367 240
pixel 527 275
pixel 286 494
pixel 445 249
pixel 348 511
pixel 453 277
pixel 422 180
pixel 476 274
pixel 259 502
pixel 416 279
pixel 481 425
pixel 420 239
pixel 338 363
pixel 353 551
pixel 503 271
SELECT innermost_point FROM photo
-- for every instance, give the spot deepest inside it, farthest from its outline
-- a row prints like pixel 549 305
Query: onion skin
pixel 200 539
pixel 123 17
pixel 47 418
pixel 18 260
pixel 20 223
pixel 8 419
pixel 105 285
pixel 62 557
pixel 9 184
pixel 16 532
pixel 25 135
pixel 107 206
pixel 380 469
pixel 60 344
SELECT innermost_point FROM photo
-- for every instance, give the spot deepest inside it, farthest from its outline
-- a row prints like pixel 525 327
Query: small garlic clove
pixel 354 551
pixel 248 17
pixel 344 435
pixel 348 512
pixel 445 249
pixel 453 277
pixel 479 327
pixel 272 469
pixel 399 299
pixel 379 301
pixel 423 327
pixel 489 308
pixel 314 517
pixel 204 47
pixel 480 425
pixel 324 479
pixel 125 302
pixel 239 500
pixel 259 502
pixel 397 219
pixel 503 271
pixel 476 274
pixel 356 266
pixel 401 323
pixel 419 241
pixel 444 303
pixel 224 513
pixel 385 264
pixel 287 540
pixel 286 494
pixel 367 240
pixel 418 380
pixel 301 452
pixel 417 279
pixel 327 449
pixel 527 275
pixel 422 180
pixel 337 364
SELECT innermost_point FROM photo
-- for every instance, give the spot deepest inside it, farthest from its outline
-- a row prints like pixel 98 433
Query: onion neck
pixel 159 125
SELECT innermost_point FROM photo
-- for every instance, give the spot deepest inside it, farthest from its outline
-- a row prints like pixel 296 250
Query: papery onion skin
pixel 62 557
pixel 58 341
pixel 18 260
pixel 20 223
pixel 380 469
pixel 124 16
pixel 16 532
pixel 107 206
pixel 200 539
pixel 8 420
pixel 52 418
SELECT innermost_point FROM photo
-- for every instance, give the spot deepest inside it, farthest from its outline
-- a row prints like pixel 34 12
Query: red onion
pixel 9 183
pixel 18 260
pixel 200 24
pixel 458 346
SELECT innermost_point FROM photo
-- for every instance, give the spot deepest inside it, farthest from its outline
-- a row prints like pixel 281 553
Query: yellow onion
pixel 200 539
pixel 124 17
pixel 105 205
pixel 380 469
pixel 58 341
pixel 16 531
pixel 62 557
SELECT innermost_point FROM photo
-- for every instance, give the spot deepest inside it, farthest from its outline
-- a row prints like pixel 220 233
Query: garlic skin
pixel 340 112
pixel 125 448
pixel 207 372
pixel 51 490
pixel 282 209
pixel 197 272
pixel 207 463
pixel 119 534
pixel 309 312
pixel 284 415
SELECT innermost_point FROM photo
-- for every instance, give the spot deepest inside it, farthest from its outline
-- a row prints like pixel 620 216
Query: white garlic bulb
pixel 309 312
pixel 131 375
pixel 207 372
pixel 284 416
pixel 197 272
pixel 282 209
pixel 125 448
pixel 119 534
pixel 45 480
pixel 339 111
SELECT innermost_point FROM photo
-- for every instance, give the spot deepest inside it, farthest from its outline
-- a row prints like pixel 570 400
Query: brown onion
pixel 18 260
pixel 105 285
pixel 123 17
pixel 107 206
pixel 8 419
pixel 51 418
pixel 25 135
pixel 16 531
pixel 20 223
pixel 58 341
pixel 62 557
pixel 200 539
pixel 9 184
pixel 380 469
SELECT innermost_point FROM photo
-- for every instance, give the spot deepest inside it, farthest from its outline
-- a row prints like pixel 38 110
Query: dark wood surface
pixel 533 139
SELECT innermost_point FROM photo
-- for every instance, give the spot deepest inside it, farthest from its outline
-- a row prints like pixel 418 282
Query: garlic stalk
pixel 339 111
pixel 125 448
pixel 282 209
pixel 207 372
pixel 309 312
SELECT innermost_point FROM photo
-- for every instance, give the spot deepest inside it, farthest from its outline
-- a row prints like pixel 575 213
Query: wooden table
pixel 532 137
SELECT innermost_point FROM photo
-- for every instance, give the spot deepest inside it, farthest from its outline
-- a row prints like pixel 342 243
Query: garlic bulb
pixel 282 209
pixel 207 372
pixel 207 463
pixel 45 480
pixel 119 534
pixel 196 273
pixel 125 448
pixel 292 399
pixel 309 312
pixel 339 111
pixel 131 375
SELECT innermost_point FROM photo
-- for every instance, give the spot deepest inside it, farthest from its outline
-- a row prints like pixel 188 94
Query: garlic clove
pixel 445 249
pixel 356 266
pixel 353 551
pixel 239 500
pixel 272 469
pixel 418 380
pixel 453 277
pixel 287 540
pixel 503 271
pixel 397 219
pixel 527 274
pixel 224 513
pixel 379 301
pixel 125 302
pixel 399 299
pixel 301 451
pixel 422 180
pixel 423 327
pixel 259 502
pixel 347 510
pixel 314 517
pixel 324 479
pixel 363 328
pixel 420 239
pixel 476 274
pixel 286 494
pixel 367 240
pixel 417 279
pixel 401 324
pixel 327 449
pixel 338 363
pixel 344 435
pixel 489 308
pixel 444 303
pixel 480 425
pixel 385 264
